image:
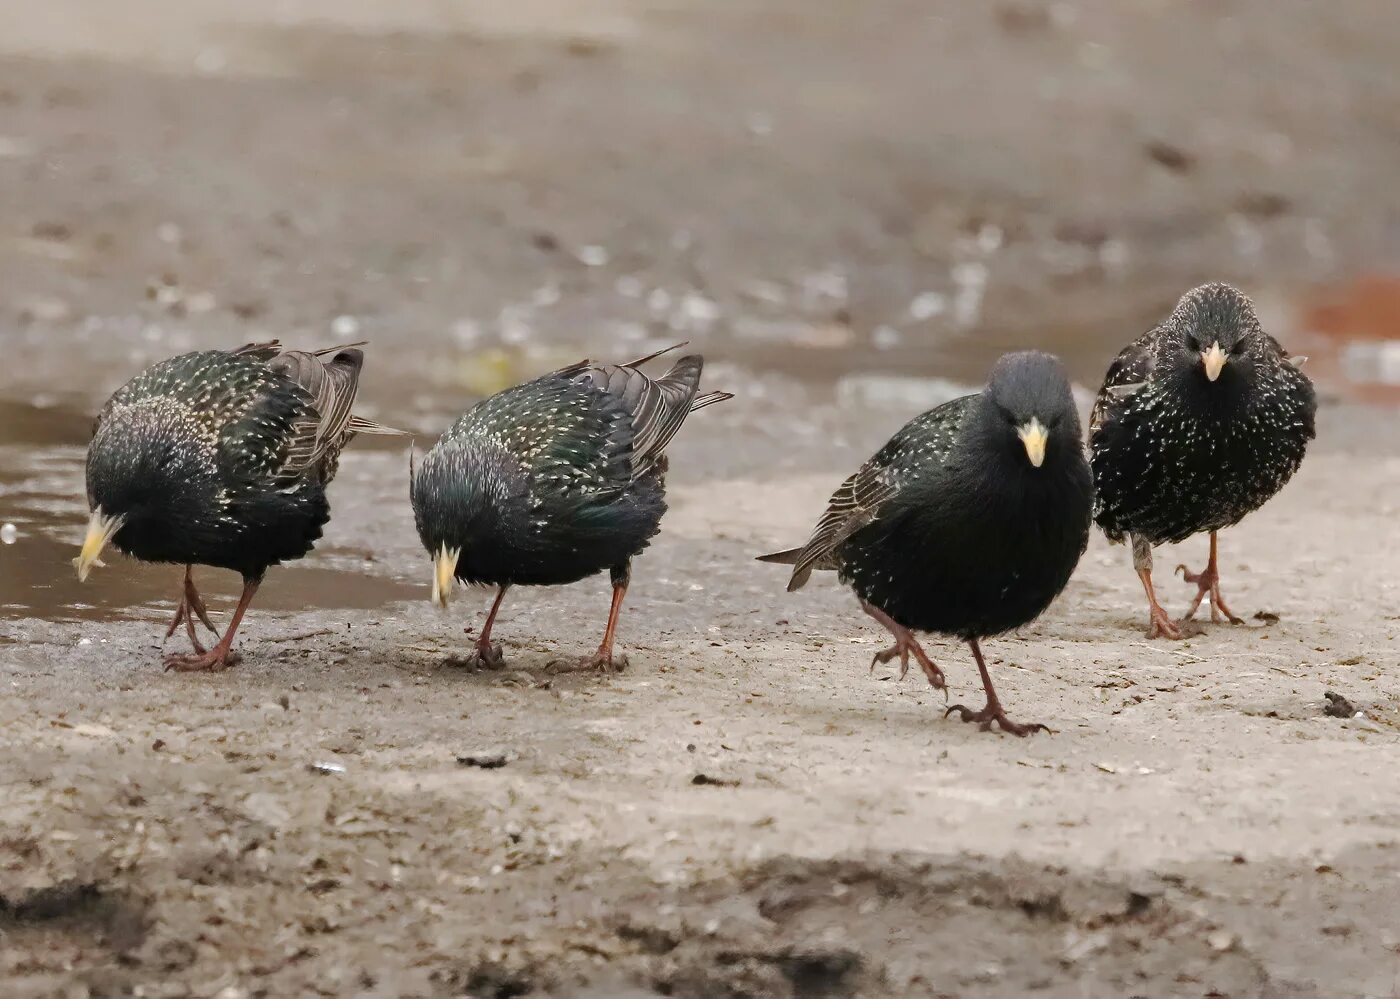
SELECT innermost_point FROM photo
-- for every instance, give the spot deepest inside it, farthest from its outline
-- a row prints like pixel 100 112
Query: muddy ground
pixel 851 212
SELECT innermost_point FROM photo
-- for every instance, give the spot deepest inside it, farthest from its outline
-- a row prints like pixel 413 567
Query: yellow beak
pixel 1033 436
pixel 99 531
pixel 1214 359
pixel 444 571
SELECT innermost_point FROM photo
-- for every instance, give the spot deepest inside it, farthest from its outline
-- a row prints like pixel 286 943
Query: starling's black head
pixel 456 492
pixel 148 482
pixel 1027 410
pixel 1214 336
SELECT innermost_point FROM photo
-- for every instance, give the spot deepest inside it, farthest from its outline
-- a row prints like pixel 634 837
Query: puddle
pixel 37 580
pixel 43 511
pixel 43 422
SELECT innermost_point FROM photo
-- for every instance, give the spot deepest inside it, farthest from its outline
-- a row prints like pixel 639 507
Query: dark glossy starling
pixel 967 523
pixel 221 458
pixel 1199 421
pixel 554 480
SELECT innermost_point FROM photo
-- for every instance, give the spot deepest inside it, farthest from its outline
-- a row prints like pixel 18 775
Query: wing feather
pixel 1129 371
pixel 658 406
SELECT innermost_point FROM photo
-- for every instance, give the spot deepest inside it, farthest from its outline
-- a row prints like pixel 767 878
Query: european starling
pixel 967 523
pixel 1199 421
pixel 554 480
pixel 221 458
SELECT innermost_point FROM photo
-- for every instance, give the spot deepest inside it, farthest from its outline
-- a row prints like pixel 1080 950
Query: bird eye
pixel 1192 343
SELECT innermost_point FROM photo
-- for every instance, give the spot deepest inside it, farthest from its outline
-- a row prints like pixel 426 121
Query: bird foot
pixel 1160 625
pixel 904 648
pixel 214 661
pixel 600 662
pixel 993 713
pixel 1208 585
pixel 191 606
pixel 484 656
pixel 181 613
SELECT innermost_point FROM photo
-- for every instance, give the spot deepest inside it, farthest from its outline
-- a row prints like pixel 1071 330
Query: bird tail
pixel 359 425
pixel 709 399
pixel 791 557
pixel 655 354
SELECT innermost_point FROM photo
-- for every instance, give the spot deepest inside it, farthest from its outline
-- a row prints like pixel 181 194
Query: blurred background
pixel 851 208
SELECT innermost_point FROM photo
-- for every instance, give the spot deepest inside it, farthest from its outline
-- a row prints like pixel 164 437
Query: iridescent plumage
pixel 556 479
pixel 221 458
pixel 1199 422
pixel 968 522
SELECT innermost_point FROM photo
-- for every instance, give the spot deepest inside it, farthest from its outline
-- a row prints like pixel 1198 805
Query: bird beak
pixel 99 531
pixel 1033 436
pixel 444 571
pixel 1214 359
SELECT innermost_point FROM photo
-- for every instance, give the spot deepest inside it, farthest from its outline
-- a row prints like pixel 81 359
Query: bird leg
pixel 993 711
pixel 905 645
pixel 191 606
pixel 486 654
pixel 1207 583
pixel 1160 624
pixel 603 660
pixel 221 656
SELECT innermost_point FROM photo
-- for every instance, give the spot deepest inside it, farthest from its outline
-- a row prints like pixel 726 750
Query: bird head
pixel 455 492
pixel 134 486
pixel 1217 334
pixel 1029 408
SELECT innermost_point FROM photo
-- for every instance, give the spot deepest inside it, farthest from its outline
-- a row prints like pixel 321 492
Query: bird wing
pixel 861 499
pixel 1129 371
pixel 657 406
pixel 331 385
pixel 854 504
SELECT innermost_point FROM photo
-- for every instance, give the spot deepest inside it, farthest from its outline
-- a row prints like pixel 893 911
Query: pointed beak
pixel 1033 436
pixel 1214 359
pixel 444 571
pixel 99 531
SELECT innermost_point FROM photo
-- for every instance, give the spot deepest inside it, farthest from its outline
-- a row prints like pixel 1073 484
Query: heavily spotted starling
pixel 221 458
pixel 967 523
pixel 1199 421
pixel 554 480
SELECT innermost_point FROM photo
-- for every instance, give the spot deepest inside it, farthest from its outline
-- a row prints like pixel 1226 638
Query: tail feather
pixel 359 425
pixel 791 557
pixel 655 354
pixel 709 399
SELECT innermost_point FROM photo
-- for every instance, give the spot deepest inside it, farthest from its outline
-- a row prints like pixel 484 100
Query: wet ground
pixel 851 213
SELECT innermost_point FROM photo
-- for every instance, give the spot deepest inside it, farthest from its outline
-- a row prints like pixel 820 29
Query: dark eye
pixel 1192 343
pixel 1240 346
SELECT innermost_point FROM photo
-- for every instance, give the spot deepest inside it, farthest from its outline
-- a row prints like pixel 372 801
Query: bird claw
pixel 207 662
pixel 484 656
pixel 903 648
pixel 897 649
pixel 1207 584
pixel 600 662
pixel 1162 626
pixel 989 715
